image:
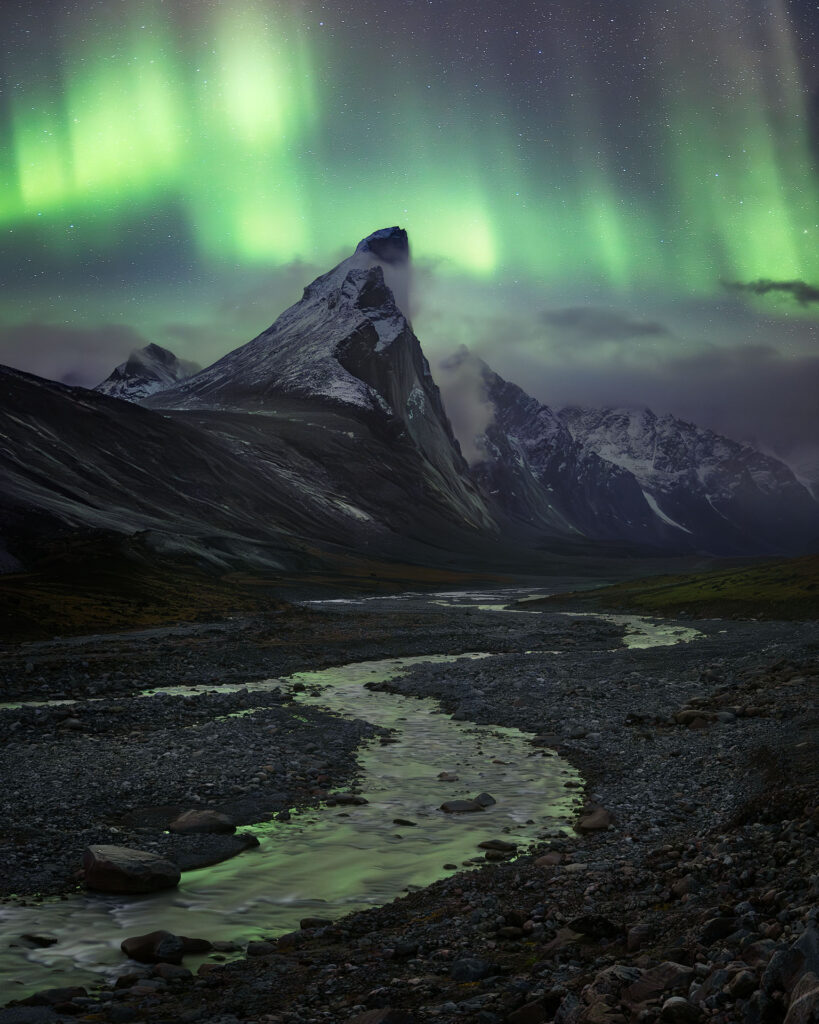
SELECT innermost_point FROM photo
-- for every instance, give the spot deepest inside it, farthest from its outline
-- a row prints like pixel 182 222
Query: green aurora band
pixel 241 121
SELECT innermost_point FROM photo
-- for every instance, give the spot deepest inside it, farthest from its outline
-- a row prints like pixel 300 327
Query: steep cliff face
pixel 347 345
pixel 145 372
pixel 541 477
pixel 726 496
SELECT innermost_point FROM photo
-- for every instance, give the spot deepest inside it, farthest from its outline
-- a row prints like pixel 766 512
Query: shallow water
pixel 332 860
pixel 325 862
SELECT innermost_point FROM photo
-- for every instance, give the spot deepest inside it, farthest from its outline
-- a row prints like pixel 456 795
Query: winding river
pixel 332 860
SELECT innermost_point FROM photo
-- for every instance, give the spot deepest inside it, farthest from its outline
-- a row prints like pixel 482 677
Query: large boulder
pixel 123 870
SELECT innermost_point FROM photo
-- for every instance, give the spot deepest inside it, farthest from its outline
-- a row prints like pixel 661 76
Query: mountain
pixel 146 371
pixel 346 345
pixel 325 435
pixel 725 496
pixel 324 443
pixel 650 482
pixel 550 484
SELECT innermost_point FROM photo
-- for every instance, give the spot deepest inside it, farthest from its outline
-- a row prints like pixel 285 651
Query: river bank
pixel 700 753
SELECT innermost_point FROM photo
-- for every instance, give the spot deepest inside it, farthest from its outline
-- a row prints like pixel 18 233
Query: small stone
pixel 202 822
pixel 469 968
pixel 307 923
pixel 260 948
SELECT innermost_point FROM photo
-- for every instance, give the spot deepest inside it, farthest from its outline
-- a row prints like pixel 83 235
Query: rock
pixel 594 926
pixel 171 972
pixel 677 1010
pixel 404 822
pixel 461 806
pixel 637 937
pixel 549 860
pixel 498 844
pixel 54 996
pixel 120 869
pixel 162 947
pixel 485 799
pixel 260 948
pixel 28 1015
pixel 37 941
pixel 783 969
pixel 596 819
pixel 667 977
pixel 447 777
pixel 386 1015
pixel 203 822
pixel 531 1013
pixel 469 968
pixel 742 985
pixel 804 1004
pixel 717 928
pixel 307 923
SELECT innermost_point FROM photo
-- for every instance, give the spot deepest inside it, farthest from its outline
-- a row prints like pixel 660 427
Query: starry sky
pixel 611 201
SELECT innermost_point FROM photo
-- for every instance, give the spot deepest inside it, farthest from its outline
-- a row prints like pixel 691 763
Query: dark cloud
pixel 804 293
pixel 595 323
pixel 72 355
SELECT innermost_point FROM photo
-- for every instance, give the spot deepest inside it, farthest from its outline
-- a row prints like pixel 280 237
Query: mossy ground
pixel 771 590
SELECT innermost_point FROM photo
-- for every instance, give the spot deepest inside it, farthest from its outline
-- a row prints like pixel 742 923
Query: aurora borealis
pixel 177 170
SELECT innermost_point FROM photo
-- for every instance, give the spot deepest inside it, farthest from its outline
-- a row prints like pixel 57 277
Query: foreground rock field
pixel 687 891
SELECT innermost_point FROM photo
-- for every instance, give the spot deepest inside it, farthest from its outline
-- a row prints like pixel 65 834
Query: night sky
pixel 610 201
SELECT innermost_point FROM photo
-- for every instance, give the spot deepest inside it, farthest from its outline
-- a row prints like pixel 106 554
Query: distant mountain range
pixel 327 433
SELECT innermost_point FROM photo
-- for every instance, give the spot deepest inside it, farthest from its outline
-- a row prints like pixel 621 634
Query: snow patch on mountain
pixel 146 372
pixel 655 508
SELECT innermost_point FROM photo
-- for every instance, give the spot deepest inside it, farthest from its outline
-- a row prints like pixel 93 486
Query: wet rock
pixel 260 948
pixel 307 923
pixel 195 822
pixel 37 941
pixel 120 869
pixel 162 947
pixel 404 822
pixel 500 845
pixel 54 996
pixel 461 806
pixel 171 972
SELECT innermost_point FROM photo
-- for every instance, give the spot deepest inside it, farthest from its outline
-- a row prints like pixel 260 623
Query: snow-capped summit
pixel 321 346
pixel 145 372
pixel 389 245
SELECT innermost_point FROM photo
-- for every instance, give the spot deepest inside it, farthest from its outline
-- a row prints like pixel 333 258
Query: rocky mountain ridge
pixel 328 432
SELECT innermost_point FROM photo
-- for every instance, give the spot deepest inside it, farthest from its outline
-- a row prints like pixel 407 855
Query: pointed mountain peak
pixel 389 245
pixel 146 371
